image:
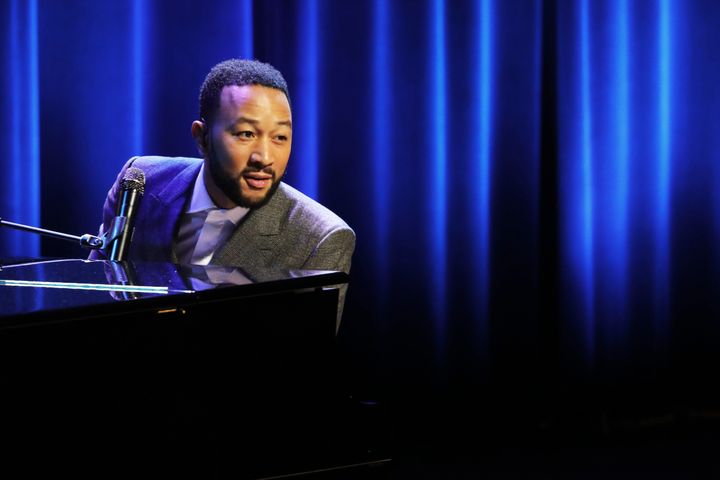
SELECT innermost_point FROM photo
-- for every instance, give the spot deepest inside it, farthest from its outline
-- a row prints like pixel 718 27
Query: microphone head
pixel 134 179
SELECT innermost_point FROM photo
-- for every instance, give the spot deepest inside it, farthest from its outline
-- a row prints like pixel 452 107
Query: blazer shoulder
pixel 163 166
pixel 308 214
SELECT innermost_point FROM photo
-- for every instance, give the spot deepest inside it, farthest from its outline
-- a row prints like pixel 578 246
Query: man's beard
pixel 231 186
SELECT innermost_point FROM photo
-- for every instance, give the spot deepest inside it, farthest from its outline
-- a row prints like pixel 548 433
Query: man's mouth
pixel 258 181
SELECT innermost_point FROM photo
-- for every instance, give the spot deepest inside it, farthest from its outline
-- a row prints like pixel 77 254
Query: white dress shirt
pixel 204 227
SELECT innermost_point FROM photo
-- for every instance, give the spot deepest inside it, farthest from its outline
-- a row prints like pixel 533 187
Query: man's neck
pixel 216 195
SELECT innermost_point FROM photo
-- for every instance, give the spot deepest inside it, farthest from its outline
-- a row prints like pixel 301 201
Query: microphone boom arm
pixel 87 240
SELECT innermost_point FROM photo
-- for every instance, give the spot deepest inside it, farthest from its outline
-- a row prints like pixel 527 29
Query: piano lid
pixel 33 285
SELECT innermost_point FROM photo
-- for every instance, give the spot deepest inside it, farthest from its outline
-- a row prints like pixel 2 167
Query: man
pixel 231 208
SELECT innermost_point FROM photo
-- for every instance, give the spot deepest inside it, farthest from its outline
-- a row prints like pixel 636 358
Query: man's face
pixel 248 145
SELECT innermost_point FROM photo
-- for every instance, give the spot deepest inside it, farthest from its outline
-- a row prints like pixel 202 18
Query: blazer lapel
pixel 162 211
pixel 254 240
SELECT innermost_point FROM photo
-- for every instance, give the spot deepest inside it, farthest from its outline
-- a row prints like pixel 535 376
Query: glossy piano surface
pixel 34 286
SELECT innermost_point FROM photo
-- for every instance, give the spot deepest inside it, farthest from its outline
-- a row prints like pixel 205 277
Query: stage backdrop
pixel 533 184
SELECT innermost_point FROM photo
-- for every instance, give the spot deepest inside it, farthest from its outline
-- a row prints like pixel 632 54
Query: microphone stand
pixel 122 272
pixel 87 240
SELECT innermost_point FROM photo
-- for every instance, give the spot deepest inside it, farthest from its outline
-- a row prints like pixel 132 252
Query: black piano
pixel 162 370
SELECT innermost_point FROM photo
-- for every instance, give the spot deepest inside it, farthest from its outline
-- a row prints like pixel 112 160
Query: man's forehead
pixel 253 96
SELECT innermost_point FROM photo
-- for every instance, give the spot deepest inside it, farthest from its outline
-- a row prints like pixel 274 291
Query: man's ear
pixel 200 134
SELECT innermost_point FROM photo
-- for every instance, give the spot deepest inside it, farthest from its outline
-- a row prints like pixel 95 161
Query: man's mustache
pixel 267 170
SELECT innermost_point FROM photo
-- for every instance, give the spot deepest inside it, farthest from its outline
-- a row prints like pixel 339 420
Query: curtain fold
pixel 19 119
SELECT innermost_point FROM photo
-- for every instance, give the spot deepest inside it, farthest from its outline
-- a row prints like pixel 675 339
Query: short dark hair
pixel 237 72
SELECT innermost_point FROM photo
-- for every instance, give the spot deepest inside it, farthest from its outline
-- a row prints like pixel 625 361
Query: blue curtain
pixel 20 184
pixel 523 176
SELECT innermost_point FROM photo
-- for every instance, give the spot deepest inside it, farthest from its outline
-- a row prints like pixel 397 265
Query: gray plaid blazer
pixel 291 231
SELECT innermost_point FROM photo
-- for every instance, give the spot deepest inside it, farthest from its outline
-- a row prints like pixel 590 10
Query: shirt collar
pixel 201 201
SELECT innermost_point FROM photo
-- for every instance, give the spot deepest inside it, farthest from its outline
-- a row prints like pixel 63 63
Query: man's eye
pixel 281 138
pixel 244 134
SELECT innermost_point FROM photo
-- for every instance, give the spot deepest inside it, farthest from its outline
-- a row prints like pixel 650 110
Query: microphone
pixel 133 188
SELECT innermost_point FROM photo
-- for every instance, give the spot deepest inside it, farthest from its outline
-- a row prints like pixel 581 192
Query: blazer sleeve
pixel 334 252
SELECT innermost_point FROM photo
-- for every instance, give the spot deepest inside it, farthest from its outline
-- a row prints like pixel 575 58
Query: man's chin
pixel 254 200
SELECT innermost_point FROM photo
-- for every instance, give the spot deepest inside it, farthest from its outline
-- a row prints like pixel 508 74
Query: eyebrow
pixel 252 121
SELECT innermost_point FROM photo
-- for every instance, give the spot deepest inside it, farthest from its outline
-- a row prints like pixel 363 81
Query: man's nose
pixel 261 154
